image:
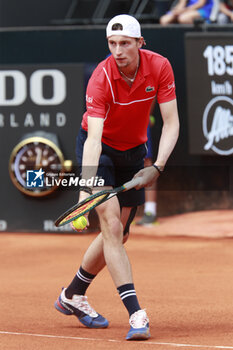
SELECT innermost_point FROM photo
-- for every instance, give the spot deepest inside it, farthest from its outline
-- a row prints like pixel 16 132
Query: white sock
pixel 150 207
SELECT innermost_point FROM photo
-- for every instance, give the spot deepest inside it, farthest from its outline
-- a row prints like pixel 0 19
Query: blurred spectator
pixel 187 11
pixel 225 14
pixel 150 206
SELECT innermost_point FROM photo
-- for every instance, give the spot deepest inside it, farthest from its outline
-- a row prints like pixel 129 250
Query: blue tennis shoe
pixel 80 307
pixel 139 326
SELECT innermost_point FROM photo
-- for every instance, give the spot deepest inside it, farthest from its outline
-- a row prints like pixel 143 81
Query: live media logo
pixel 35 178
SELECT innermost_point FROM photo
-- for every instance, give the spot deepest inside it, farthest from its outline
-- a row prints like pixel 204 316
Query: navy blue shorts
pixel 117 167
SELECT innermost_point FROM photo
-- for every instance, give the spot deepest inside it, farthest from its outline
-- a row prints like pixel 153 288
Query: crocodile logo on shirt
pixel 150 88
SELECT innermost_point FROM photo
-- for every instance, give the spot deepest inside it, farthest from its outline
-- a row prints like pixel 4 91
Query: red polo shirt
pixel 126 109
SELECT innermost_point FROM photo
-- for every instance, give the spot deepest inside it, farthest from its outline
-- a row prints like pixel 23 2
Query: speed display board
pixel 209 72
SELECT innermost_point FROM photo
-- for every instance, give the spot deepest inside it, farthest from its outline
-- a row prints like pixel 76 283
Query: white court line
pixel 119 341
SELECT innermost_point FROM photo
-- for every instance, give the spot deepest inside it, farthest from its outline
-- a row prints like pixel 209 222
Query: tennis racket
pixel 91 202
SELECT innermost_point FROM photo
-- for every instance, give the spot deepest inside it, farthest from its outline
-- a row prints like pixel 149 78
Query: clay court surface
pixel 183 272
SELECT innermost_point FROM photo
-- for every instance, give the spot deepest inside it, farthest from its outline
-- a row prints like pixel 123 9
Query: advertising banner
pixel 41 108
pixel 209 71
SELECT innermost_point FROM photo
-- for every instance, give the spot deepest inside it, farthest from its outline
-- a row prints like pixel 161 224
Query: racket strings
pixel 85 207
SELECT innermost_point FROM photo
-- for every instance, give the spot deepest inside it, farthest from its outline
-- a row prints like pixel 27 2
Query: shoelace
pixel 81 303
pixel 139 319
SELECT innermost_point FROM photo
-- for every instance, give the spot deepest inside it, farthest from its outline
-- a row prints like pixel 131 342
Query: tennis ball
pixel 80 223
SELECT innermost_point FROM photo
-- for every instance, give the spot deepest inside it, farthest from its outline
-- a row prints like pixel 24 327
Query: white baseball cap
pixel 130 26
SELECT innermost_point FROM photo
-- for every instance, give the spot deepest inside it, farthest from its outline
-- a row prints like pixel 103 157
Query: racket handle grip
pixel 132 183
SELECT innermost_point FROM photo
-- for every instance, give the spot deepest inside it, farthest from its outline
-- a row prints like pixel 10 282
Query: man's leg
pixel 113 249
pixel 92 263
pixel 93 260
pixel 119 267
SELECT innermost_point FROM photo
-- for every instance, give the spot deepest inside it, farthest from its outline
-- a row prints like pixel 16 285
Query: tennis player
pixel 111 144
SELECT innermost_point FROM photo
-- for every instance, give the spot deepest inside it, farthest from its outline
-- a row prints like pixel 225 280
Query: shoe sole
pixel 96 326
pixel 138 336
